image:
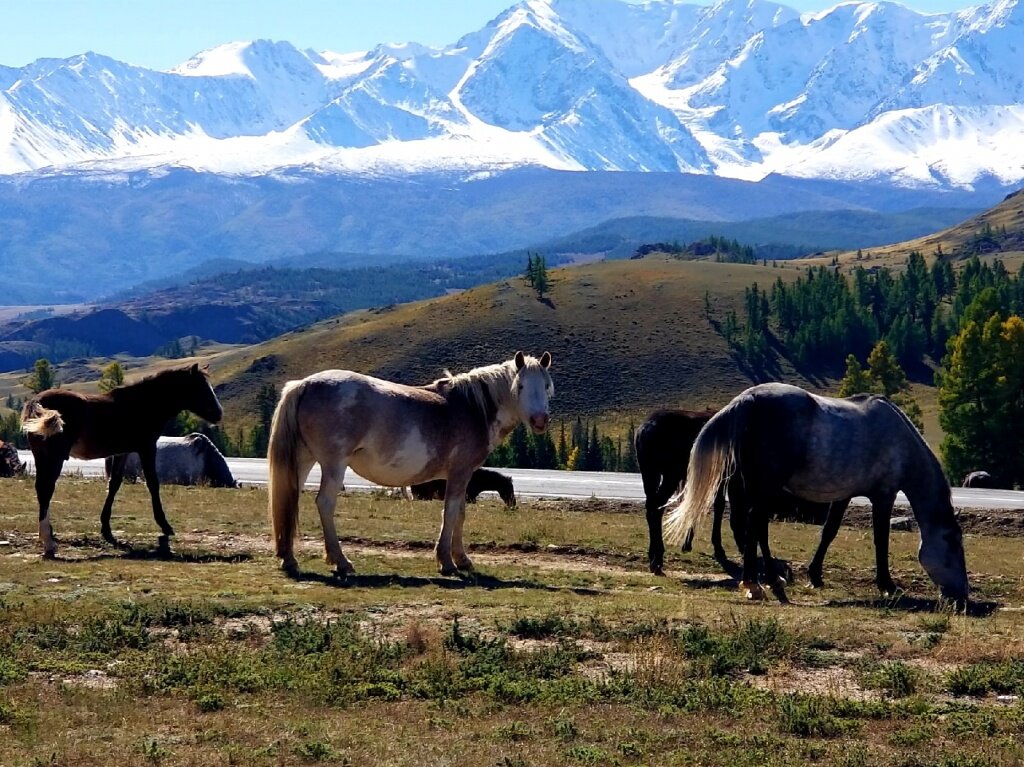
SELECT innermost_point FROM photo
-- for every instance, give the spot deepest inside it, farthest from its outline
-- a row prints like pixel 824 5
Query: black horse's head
pixel 507 492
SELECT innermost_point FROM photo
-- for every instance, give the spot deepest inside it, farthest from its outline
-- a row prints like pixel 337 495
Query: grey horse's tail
pixel 283 470
pixel 712 459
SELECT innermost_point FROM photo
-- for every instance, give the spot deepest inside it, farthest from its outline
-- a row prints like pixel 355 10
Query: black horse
pixel 61 423
pixel 662 445
pixel 481 481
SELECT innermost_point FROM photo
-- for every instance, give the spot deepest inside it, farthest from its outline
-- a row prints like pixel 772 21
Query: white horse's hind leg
pixel 462 560
pixel 450 551
pixel 331 483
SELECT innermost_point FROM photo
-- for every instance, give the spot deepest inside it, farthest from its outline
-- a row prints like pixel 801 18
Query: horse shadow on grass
pixel 980 608
pixel 161 552
pixel 457 582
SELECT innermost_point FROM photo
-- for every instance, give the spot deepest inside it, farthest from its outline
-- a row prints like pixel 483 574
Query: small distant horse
pixel 780 438
pixel 481 481
pixel 981 479
pixel 397 435
pixel 62 423
pixel 189 460
pixel 662 446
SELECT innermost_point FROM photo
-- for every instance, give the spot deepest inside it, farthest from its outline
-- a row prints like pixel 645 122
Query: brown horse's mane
pixel 156 381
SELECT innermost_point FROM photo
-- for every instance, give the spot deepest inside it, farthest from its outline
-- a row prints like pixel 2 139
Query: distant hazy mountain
pixel 741 88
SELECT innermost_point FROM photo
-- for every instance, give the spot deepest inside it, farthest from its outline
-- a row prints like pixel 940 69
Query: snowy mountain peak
pixel 741 88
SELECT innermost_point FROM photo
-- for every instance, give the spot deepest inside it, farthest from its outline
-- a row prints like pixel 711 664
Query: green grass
pixel 215 657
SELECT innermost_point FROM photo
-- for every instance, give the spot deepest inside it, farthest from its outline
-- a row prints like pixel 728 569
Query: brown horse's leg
pixel 828 534
pixel 47 471
pixel 332 482
pixel 881 511
pixel 147 459
pixel 113 485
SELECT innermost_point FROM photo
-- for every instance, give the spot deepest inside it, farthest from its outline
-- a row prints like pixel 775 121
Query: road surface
pixel 541 483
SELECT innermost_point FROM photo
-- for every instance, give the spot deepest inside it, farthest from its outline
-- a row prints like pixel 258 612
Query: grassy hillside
pixel 626 336
pixel 998 231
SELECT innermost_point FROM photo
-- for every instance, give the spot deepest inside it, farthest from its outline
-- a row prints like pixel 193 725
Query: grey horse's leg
pixel 881 512
pixel 449 549
pixel 332 482
pixel 828 534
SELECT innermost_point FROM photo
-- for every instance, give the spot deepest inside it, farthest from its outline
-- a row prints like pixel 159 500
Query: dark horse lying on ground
pixel 662 445
pixel 189 460
pixel 481 481
pixel 779 438
pixel 62 423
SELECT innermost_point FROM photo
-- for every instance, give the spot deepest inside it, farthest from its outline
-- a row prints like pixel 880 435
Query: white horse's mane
pixel 479 384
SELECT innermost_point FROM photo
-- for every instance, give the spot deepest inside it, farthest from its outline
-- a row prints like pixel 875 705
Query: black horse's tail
pixel 41 421
pixel 712 459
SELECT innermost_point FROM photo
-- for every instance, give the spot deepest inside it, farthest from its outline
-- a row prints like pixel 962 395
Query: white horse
pixel 397 435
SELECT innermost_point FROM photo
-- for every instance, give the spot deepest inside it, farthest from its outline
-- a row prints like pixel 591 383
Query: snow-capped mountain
pixel 740 88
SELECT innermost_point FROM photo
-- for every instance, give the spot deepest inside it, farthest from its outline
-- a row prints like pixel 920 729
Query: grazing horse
pixel 189 460
pixel 981 479
pixel 397 435
pixel 662 446
pixel 780 438
pixel 481 481
pixel 61 423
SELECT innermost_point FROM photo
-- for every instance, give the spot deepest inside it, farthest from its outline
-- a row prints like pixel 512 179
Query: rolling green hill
pixel 627 336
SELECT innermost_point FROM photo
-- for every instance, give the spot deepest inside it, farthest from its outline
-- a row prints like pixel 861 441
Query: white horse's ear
pixel 520 360
pixel 545 360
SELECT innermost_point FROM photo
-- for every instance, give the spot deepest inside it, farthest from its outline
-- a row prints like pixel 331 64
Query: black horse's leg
pixel 756 518
pixel 739 508
pixel 113 485
pixel 716 529
pixel 653 484
pixel 828 534
pixel 47 470
pixel 147 457
pixel 881 512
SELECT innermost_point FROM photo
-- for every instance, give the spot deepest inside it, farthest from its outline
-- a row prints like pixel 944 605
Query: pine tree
pixel 112 377
pixel 563 447
pixel 629 459
pixel 981 400
pixel 43 378
pixel 856 380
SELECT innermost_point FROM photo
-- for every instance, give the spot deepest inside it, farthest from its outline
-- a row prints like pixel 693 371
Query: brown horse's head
pixel 532 389
pixel 199 397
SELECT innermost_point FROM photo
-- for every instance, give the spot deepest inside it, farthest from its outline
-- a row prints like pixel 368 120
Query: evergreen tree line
pixel 581 448
pixel 824 315
pixel 722 248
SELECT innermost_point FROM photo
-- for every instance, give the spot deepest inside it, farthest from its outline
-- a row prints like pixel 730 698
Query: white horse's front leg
pixel 331 483
pixel 450 539
pixel 462 560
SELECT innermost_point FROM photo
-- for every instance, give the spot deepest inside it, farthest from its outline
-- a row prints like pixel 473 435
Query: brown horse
pixel 481 481
pixel 397 435
pixel 61 423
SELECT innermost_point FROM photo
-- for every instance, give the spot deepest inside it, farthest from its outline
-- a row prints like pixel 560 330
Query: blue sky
pixel 162 33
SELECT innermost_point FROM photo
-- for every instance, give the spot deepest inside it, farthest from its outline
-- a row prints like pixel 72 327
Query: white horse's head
pixel 532 389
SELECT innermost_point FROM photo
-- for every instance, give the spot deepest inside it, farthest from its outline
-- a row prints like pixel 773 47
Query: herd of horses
pixel 774 450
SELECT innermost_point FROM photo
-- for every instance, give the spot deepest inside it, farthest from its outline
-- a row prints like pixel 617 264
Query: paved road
pixel 538 483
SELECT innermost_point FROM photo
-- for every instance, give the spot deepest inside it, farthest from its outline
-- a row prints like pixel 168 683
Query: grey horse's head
pixel 941 554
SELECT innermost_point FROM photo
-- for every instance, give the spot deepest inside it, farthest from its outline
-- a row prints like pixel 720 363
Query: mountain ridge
pixel 740 88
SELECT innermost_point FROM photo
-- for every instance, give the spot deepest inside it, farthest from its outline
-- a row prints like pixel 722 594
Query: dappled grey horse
pixel 397 435
pixel 779 438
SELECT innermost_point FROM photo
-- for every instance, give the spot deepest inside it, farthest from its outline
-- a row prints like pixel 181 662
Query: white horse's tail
pixel 712 459
pixel 283 467
pixel 42 421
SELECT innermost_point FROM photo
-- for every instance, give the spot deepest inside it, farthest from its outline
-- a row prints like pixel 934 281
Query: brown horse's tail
pixel 283 466
pixel 41 421
pixel 712 459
